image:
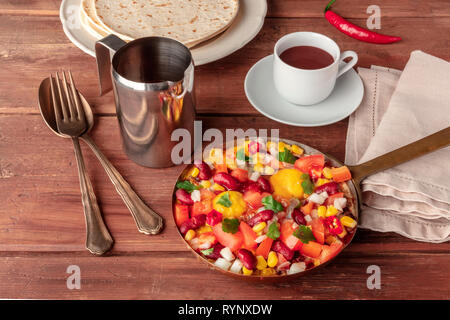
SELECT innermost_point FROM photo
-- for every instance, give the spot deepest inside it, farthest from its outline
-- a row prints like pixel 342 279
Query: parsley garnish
pixel 225 200
pixel 186 185
pixel 230 225
pixel 304 234
pixel 240 155
pixel 286 156
pixel 273 232
pixel 271 204
pixel 207 252
pixel 307 184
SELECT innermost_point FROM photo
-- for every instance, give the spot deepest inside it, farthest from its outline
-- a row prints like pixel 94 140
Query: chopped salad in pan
pixel 265 208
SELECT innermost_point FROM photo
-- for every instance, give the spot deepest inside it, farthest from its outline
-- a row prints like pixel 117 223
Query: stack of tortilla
pixel 188 21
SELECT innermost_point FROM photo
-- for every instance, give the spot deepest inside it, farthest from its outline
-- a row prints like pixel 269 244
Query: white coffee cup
pixel 304 86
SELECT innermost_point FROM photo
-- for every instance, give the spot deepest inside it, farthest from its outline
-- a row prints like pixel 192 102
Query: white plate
pixel 244 28
pixel 261 92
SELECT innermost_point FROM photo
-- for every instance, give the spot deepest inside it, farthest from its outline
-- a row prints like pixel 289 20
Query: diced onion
pixel 318 198
pixel 297 267
pixel 260 209
pixel 227 254
pixel 261 238
pixel 284 266
pixel 195 195
pixel 340 203
pixel 294 202
pixel 237 266
pixel 255 175
pixel 308 218
pixel 222 264
pixel 205 245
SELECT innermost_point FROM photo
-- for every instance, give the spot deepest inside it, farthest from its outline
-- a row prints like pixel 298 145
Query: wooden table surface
pixel 42 228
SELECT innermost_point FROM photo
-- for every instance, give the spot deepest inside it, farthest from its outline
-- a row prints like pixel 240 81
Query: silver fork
pixel 70 120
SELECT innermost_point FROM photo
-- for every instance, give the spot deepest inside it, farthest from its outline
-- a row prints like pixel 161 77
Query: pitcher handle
pixel 104 52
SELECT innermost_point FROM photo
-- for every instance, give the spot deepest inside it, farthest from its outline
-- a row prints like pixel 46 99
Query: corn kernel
pixel 268 272
pixel 316 262
pixel 270 145
pixel 343 233
pixel 189 235
pixel 281 146
pixel 259 227
pixel 231 164
pixel 272 259
pixel 321 211
pixel 296 149
pixel 218 187
pixel 258 167
pixel 330 239
pixel 246 272
pixel 327 173
pixel 331 211
pixel 321 181
pixel 261 263
pixel 204 229
pixel 348 222
pixel 268 170
pixel 205 184
pixel 195 172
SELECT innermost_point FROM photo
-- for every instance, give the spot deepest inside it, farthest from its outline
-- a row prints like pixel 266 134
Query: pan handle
pixel 438 140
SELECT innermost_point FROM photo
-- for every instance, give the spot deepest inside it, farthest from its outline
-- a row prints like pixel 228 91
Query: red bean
pixel 298 217
pixel 186 226
pixel 262 216
pixel 198 221
pixel 213 218
pixel 247 258
pixel 250 185
pixel 184 197
pixel 264 184
pixel 216 252
pixel 283 249
pixel 330 188
pixel 204 171
pixel 226 180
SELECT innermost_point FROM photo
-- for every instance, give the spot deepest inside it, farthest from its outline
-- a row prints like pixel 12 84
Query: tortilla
pixel 188 21
pixel 88 23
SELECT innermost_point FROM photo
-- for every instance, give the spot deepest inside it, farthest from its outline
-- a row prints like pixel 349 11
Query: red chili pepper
pixel 334 225
pixel 354 31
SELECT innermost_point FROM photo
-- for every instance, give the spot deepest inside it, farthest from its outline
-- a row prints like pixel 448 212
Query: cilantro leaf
pixel 186 185
pixel 240 155
pixel 273 232
pixel 225 200
pixel 307 185
pixel 304 234
pixel 207 252
pixel 286 156
pixel 230 225
pixel 271 204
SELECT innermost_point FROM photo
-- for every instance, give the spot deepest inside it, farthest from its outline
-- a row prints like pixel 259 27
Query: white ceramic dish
pixel 245 27
pixel 261 92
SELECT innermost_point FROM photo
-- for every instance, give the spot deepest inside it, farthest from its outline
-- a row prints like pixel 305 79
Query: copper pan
pixel 438 140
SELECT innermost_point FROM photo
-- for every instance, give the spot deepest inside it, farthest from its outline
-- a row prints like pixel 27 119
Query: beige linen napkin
pixel 412 199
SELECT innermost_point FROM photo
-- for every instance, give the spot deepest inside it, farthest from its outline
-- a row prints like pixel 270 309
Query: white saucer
pixel 261 92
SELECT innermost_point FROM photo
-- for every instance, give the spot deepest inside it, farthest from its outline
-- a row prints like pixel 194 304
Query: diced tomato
pixel 207 237
pixel 330 251
pixel 207 194
pixel 240 174
pixel 287 237
pixel 330 199
pixel 202 207
pixel 221 167
pixel 304 164
pixel 281 259
pixel 311 249
pixel 264 247
pixel 315 172
pixel 254 198
pixel 249 236
pixel 181 214
pixel 334 226
pixel 233 241
pixel 341 174
pixel 318 230
pixel 307 208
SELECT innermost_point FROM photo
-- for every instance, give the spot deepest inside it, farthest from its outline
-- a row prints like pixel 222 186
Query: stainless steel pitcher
pixel 153 82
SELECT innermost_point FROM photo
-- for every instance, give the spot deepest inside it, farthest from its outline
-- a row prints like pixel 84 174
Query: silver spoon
pixel 147 220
